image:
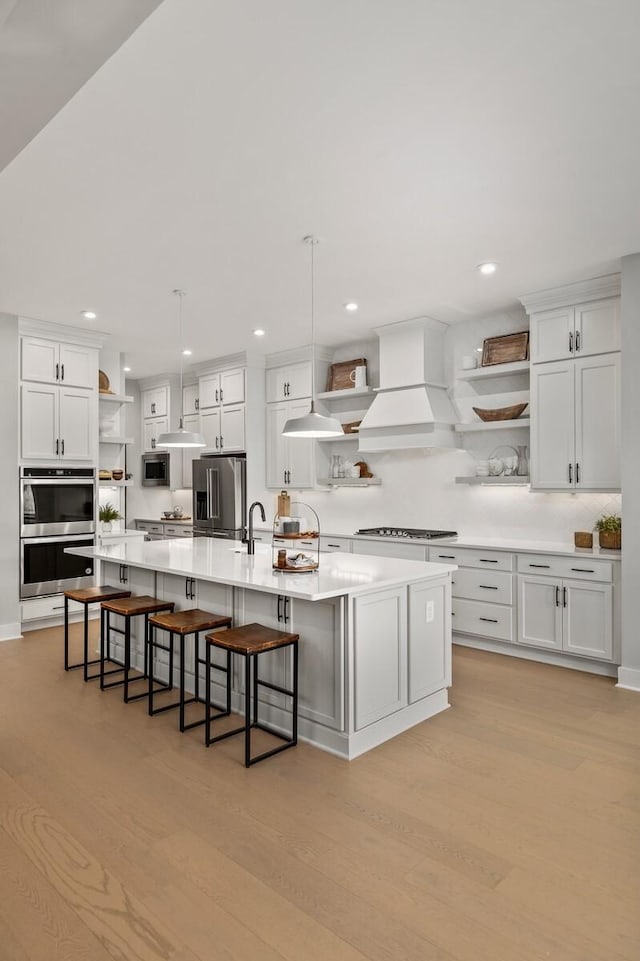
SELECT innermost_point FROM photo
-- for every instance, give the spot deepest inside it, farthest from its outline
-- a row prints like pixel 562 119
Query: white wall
pixel 9 516
pixel 629 672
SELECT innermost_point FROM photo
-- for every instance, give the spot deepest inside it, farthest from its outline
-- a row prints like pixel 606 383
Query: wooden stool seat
pixel 86 596
pixel 180 624
pixel 189 622
pixel 127 607
pixel 250 641
pixel 132 606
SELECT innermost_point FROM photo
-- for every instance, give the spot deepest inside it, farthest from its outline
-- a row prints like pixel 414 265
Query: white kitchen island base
pixel 375 633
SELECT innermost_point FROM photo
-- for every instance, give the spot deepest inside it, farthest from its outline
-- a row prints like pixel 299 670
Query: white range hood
pixel 411 407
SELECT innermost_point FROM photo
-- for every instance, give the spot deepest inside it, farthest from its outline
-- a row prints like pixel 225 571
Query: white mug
pixel 468 362
pixel 358 377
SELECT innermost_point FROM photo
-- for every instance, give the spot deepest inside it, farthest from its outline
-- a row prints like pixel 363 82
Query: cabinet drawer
pixel 50 606
pixel 493 586
pixel 581 568
pixel 331 544
pixel 173 530
pixel 487 620
pixel 295 543
pixel 471 557
pixel 149 528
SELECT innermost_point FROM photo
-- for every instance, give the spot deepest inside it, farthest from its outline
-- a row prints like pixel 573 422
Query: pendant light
pixel 312 424
pixel 181 437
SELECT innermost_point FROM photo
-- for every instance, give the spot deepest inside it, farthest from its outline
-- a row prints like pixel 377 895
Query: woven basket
pixel 500 413
pixel 610 540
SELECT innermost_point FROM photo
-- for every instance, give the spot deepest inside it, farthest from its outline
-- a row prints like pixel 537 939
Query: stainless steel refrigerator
pixel 219 496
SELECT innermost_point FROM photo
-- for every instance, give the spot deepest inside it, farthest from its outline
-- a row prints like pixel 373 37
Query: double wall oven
pixel 57 510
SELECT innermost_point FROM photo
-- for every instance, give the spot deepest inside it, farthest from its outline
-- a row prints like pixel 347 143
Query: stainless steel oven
pixel 46 569
pixel 57 500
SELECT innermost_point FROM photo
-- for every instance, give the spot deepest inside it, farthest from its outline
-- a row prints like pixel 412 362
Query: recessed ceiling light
pixel 89 314
pixel 187 352
pixel 258 332
pixel 127 370
pixel 488 268
pixel 351 306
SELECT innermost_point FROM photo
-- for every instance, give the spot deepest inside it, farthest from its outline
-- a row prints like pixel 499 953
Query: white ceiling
pixel 416 138
pixel 47 51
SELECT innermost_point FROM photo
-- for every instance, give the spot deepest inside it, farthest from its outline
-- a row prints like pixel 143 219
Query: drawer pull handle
pixel 583 570
pixel 487 587
pixel 447 557
pixel 333 545
pixel 58 607
pixel 484 560
pixel 540 565
pixel 491 620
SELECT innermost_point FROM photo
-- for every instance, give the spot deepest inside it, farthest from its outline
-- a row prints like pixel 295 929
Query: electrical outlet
pixel 431 611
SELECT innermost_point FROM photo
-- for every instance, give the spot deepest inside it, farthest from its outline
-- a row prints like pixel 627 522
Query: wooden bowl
pixel 500 413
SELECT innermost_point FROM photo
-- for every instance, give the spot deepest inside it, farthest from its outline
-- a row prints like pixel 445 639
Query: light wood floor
pixel 506 829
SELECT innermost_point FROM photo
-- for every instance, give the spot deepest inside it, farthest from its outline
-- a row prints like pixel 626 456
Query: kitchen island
pixel 375 632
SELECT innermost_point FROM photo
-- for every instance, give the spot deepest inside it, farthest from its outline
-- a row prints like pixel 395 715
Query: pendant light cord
pixel 180 294
pixel 312 241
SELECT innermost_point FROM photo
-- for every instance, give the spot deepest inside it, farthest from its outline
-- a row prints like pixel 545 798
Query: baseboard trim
pixel 10 632
pixel 629 678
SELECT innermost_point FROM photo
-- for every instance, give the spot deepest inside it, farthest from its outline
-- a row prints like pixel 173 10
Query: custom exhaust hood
pixel 411 407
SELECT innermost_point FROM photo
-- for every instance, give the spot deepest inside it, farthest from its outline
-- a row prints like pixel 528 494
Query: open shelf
pixel 346 393
pixel 116 398
pixel 495 370
pixel 513 480
pixel 350 481
pixel 115 483
pixel 338 440
pixel 116 440
pixel 521 422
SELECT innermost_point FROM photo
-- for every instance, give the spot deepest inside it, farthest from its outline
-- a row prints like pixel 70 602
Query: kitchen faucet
pixel 249 541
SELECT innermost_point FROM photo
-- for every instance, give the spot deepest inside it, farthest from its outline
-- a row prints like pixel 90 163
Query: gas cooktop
pixel 416 532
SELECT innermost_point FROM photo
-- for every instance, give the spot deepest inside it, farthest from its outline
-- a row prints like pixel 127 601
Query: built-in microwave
pixel 156 469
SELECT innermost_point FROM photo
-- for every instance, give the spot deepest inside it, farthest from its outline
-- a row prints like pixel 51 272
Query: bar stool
pixel 249 641
pixel 128 607
pixel 180 623
pixel 87 596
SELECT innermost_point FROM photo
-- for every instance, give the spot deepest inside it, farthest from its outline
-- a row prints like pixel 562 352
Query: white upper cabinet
pixel 575 430
pixel 189 454
pixel 210 428
pixel 290 460
pixel 190 400
pixel 289 383
pixel 151 430
pixel 227 387
pixel 49 362
pixel 572 332
pixel 57 424
pixel 232 430
pixel 155 402
pixel 77 426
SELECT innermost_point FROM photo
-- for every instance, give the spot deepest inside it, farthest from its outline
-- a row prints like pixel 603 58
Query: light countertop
pixel 527 546
pixel 164 520
pixel 227 562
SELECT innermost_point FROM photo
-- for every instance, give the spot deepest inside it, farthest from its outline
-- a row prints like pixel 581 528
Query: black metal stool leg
pixel 181 661
pixel 295 693
pixel 229 665
pixel 85 642
pixel 66 633
pixel 255 688
pixel 127 656
pixel 247 711
pixel 171 660
pixel 107 629
pixel 207 695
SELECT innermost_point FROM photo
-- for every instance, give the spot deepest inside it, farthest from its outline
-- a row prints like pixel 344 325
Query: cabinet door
pixel 77 424
pixel 380 655
pixel 274 666
pixel 39 360
pixel 540 612
pixel 597 385
pixel 552 426
pixel 277 446
pixel 299 381
pixel 588 619
pixel 209 391
pixel 276 379
pixel 232 386
pixel 300 452
pixel 232 428
pixel 597 327
pixel 155 402
pixel 189 454
pixel 552 336
pixel 190 400
pixel 151 430
pixel 39 422
pixel 321 660
pixel 210 428
pixel 78 366
pixel 429 661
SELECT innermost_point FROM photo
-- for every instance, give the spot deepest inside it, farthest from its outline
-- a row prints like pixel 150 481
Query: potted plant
pixel 107 514
pixel 609 528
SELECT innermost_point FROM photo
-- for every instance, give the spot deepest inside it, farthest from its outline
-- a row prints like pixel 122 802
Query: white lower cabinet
pixel 380 655
pixel 137 581
pixel 564 615
pixel 429 658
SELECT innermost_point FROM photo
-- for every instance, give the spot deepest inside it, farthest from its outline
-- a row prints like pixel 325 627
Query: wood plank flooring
pixel 505 829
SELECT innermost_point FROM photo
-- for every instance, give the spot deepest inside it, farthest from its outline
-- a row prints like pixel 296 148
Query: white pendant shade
pixel 312 425
pixel 181 438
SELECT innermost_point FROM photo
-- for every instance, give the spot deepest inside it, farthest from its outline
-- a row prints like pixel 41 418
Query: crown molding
pixel 63 332
pixel 598 288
